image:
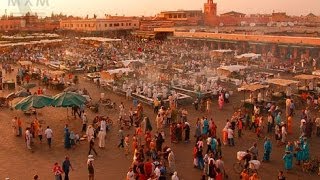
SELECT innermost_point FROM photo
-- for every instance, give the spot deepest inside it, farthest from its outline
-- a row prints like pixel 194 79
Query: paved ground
pixel 20 164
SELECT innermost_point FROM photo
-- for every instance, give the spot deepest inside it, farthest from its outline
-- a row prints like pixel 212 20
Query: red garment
pixel 148 168
pixel 219 176
pixel 240 125
pixel 142 177
pixel 39 91
pixel 57 170
pixel 195 150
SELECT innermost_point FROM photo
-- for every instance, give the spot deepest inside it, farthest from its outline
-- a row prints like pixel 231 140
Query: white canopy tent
pixel 249 56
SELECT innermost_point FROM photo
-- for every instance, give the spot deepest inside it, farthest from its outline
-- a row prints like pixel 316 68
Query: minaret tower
pixel 210 13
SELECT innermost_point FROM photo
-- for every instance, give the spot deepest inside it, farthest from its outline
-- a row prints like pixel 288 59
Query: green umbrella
pixel 68 99
pixel 33 101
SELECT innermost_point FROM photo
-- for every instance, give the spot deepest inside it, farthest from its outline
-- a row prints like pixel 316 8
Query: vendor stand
pixel 309 81
pixel 280 84
pixel 9 85
pixel 252 88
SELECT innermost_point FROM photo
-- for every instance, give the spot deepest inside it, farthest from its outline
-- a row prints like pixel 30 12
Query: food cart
pixel 252 100
pixel 282 86
pixel 309 82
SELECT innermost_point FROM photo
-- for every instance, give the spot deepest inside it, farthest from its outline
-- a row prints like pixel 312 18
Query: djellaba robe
pixel 67 143
pixel 305 151
pixel 267 150
pixel 288 161
pixel 205 127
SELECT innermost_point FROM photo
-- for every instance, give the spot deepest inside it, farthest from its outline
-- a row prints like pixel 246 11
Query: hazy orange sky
pixel 152 7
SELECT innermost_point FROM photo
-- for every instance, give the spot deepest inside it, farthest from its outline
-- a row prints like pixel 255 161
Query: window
pixel 175 16
pixel 110 25
pixel 81 25
pixel 71 25
pixel 184 16
pixel 134 24
pixel 121 24
pixel 129 24
pixel 116 24
pixel 179 16
pixel 85 25
pixel 170 16
pixel 105 25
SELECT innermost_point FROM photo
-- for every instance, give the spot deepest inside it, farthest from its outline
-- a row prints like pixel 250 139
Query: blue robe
pixel 205 127
pixel 288 161
pixel 213 145
pixel 67 143
pixel 267 150
pixel 305 152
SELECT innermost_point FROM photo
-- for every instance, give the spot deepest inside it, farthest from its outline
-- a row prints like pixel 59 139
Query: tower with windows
pixel 210 13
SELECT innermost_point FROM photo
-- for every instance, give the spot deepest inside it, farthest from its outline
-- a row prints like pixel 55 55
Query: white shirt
pixel 103 126
pixel 230 133
pixel 157 172
pixel 130 175
pixel 48 132
pixel 209 139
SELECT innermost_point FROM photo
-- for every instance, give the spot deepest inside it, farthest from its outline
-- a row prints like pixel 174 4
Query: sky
pixel 152 7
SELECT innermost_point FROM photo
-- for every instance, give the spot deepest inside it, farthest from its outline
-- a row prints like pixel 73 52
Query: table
pixel 10 85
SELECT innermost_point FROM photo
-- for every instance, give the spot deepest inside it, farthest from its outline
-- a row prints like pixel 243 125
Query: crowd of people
pixel 152 157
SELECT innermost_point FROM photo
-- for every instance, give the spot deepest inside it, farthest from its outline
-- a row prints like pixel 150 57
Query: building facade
pixel 11 25
pixel 182 18
pixel 91 25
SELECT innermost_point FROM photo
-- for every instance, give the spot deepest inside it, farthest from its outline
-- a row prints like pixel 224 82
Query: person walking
pixel 84 122
pixel 121 137
pixel 57 171
pixel 230 137
pixel 28 137
pixel 40 133
pixel 254 151
pixel 19 124
pixel 67 143
pixel 102 138
pixel 49 133
pixel 267 149
pixel 14 126
pixel 91 147
pixel 171 161
pixel 90 167
pixel 288 157
pixel 66 166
